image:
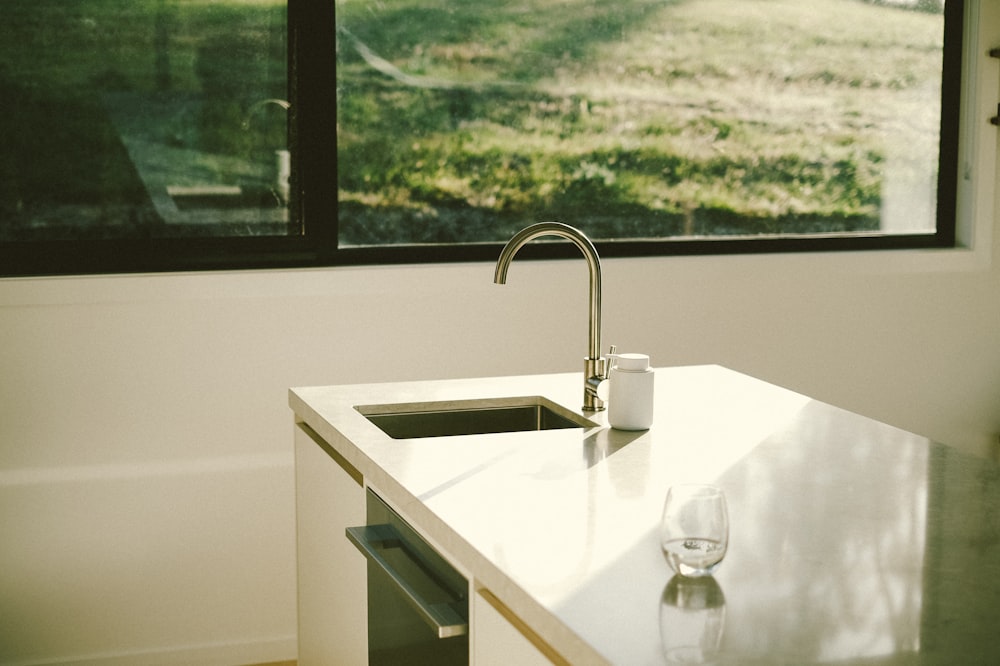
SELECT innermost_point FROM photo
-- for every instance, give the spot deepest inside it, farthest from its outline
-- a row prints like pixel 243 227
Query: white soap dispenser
pixel 630 398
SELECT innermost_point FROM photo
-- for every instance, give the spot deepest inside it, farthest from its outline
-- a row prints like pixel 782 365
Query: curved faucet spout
pixel 594 369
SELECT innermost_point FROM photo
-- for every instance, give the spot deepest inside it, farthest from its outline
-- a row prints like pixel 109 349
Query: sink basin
pixel 471 417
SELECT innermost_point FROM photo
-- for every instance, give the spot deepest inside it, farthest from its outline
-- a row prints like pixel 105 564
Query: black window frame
pixel 312 139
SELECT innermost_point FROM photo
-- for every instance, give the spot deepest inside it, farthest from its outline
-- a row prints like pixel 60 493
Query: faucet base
pixel 594 373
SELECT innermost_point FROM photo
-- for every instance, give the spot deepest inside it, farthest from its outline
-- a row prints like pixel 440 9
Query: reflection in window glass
pixel 143 119
pixel 462 121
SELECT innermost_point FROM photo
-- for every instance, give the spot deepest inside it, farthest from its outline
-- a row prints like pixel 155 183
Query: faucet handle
pixel 603 388
pixel 612 356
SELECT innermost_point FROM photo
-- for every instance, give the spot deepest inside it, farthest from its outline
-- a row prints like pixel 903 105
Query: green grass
pixel 633 117
pixel 93 43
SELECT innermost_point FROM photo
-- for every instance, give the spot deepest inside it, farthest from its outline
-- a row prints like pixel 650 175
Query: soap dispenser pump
pixel 630 399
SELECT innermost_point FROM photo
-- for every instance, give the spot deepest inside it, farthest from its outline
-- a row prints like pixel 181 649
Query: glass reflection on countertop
pixel 692 620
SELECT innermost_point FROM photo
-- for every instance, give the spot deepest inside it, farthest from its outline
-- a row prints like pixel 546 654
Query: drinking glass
pixel 694 532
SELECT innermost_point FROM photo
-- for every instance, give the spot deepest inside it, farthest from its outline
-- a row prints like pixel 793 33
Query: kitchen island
pixel 850 541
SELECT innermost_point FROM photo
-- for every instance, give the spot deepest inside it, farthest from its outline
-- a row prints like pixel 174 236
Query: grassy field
pixel 464 120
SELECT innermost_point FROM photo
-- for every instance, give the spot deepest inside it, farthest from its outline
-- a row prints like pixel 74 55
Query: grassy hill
pixel 462 121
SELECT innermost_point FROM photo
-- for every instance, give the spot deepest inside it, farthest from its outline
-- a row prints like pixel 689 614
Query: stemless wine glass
pixel 694 532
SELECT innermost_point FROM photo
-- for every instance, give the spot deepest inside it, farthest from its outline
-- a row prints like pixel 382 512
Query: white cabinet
pixel 332 574
pixel 332 578
pixel 500 638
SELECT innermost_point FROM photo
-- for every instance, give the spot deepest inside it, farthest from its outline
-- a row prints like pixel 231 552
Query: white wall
pixel 146 488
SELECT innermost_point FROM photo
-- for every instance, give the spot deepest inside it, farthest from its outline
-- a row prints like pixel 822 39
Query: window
pixel 144 135
pixel 654 126
pixel 173 135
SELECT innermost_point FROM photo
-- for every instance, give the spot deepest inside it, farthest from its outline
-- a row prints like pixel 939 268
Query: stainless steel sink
pixel 471 417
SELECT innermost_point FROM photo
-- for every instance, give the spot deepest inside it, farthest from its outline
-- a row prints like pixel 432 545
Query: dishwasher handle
pixel 372 540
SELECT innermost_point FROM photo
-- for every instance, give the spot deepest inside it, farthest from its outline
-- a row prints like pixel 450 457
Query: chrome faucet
pixel 595 366
pixel 284 104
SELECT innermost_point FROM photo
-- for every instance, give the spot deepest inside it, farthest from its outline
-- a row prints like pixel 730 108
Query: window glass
pixel 143 119
pixel 151 135
pixel 460 121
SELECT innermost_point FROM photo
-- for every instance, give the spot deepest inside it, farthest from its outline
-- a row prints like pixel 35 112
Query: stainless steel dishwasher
pixel 418 606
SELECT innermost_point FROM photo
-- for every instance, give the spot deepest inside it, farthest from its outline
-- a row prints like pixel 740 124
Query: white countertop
pixel 839 524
